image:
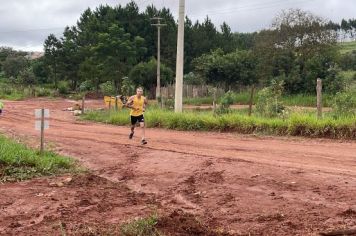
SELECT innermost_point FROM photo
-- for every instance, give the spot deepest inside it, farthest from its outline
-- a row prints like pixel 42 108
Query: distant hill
pixel 34 55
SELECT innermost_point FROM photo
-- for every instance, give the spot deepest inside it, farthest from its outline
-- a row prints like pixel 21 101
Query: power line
pixel 249 7
pixel 31 30
pixel 246 8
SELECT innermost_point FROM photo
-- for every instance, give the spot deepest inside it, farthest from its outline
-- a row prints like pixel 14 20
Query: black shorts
pixel 137 119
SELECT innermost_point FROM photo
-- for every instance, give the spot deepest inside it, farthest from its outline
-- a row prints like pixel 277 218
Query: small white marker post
pixel 41 124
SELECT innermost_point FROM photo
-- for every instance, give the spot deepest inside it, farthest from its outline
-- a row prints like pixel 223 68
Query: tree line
pixel 114 49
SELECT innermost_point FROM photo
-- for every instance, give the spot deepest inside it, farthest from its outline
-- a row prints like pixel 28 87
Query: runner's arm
pixel 130 102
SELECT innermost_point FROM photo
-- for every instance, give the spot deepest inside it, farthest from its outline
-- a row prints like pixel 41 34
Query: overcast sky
pixel 24 24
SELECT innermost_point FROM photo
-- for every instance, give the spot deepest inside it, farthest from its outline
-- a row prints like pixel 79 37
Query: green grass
pixel 347 47
pixel 243 98
pixel 298 124
pixel 238 98
pixel 141 227
pixel 12 92
pixel 305 100
pixel 17 162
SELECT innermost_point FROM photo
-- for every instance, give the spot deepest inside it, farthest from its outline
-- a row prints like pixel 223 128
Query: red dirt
pixel 216 181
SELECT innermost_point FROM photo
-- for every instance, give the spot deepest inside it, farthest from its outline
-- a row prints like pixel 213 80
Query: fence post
pixel 42 130
pixel 251 100
pixel 319 88
pixel 214 102
pixel 83 105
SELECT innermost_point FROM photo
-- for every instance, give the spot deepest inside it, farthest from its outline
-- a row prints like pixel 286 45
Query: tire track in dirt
pixel 256 185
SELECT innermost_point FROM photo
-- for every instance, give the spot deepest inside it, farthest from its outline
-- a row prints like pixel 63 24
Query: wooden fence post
pixel 251 100
pixel 116 106
pixel 83 105
pixel 319 88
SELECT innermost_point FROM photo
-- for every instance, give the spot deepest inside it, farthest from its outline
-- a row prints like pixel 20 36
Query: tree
pixel 115 53
pixel 13 65
pixel 69 60
pixel 114 39
pixel 52 48
pixel 302 32
pixel 226 38
pixel 39 70
pixel 227 70
pixel 291 47
pixel 27 77
pixel 145 75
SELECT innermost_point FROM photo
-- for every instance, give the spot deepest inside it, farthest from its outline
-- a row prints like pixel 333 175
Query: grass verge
pixel 243 98
pixel 303 124
pixel 17 162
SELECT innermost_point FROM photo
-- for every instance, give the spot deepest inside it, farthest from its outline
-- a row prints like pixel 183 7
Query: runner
pixel 137 103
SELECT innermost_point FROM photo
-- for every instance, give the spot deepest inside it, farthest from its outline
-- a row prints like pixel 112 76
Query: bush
pixel 345 104
pixel 127 87
pixel 108 88
pixel 269 100
pixel 86 86
pixel 225 102
pixel 27 77
pixel 193 79
pixel 334 82
pixel 63 88
pixel 43 92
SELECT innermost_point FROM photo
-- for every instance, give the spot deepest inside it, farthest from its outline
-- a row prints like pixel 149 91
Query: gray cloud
pixel 26 23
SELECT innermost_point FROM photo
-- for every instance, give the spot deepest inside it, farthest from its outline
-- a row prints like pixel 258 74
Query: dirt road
pixel 242 184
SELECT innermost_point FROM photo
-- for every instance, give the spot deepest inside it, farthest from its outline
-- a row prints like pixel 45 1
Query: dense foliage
pixel 111 48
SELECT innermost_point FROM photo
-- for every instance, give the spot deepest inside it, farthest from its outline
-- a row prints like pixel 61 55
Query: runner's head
pixel 139 91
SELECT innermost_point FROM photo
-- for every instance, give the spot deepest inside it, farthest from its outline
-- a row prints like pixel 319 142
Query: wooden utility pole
pixel 158 25
pixel 178 103
pixel 319 88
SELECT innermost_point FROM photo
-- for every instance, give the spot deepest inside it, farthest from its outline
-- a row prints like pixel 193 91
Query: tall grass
pixel 303 124
pixel 347 47
pixel 18 162
pixel 243 98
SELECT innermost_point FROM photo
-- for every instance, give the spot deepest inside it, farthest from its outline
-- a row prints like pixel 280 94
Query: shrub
pixel 345 104
pixel 127 87
pixel 269 100
pixel 43 92
pixel 86 86
pixel 225 102
pixel 63 88
pixel 108 88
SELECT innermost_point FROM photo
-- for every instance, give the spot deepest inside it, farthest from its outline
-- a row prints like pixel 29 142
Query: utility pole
pixel 178 104
pixel 159 25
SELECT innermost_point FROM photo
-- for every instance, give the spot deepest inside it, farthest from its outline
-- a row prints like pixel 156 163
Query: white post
pixel 319 88
pixel 42 130
pixel 158 93
pixel 180 59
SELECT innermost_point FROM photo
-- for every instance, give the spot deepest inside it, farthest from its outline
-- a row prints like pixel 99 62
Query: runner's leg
pixel 142 125
pixel 133 124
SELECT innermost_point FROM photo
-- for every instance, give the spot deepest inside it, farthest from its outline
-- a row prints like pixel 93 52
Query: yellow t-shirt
pixel 137 106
